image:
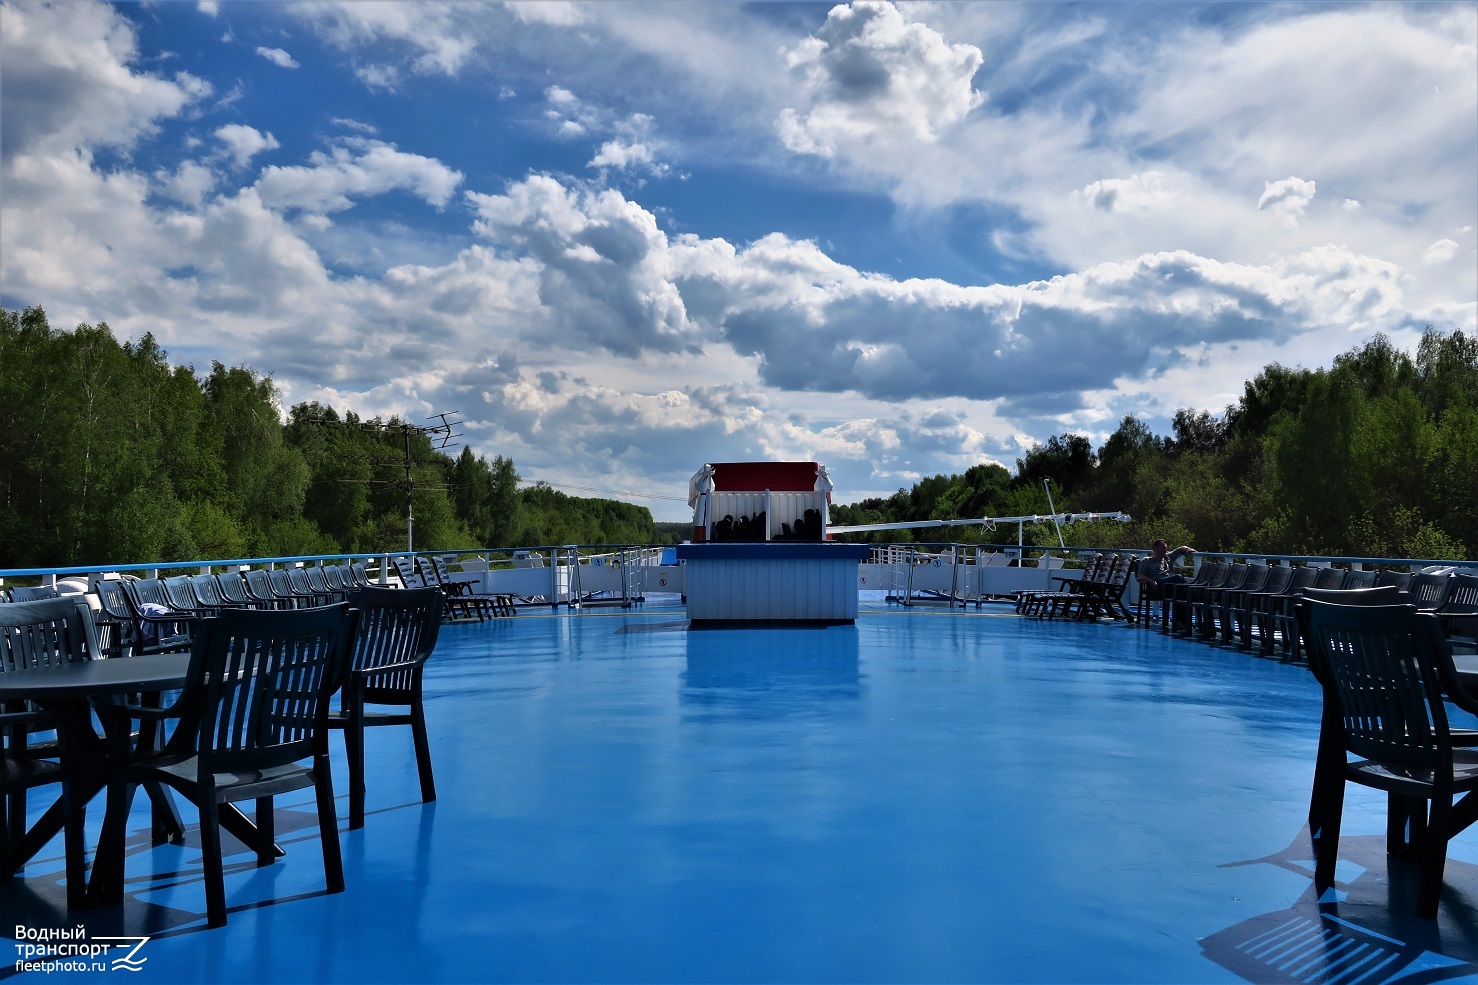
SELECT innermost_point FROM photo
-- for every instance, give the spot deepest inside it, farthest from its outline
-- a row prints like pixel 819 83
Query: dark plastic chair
pixel 1427 590
pixel 1458 611
pixel 396 633
pixel 1175 613
pixel 1384 670
pixel 254 709
pixel 339 578
pixel 207 590
pixel 1400 579
pixel 131 630
pixel 1244 605
pixel 1223 605
pixel 1276 623
pixel 34 593
pixel 318 581
pixel 258 588
pixel 36 635
pixel 308 594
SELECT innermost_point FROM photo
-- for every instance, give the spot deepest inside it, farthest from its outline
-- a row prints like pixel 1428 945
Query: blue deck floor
pixel 926 796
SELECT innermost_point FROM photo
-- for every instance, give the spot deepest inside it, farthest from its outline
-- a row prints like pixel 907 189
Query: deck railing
pixel 580 575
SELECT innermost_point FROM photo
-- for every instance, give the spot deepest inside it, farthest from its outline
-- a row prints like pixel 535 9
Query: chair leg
pixel 15 818
pixel 1326 839
pixel 423 751
pixel 165 822
pixel 354 753
pixel 1434 858
pixel 214 863
pixel 267 825
pixel 328 826
pixel 74 814
pixel 108 867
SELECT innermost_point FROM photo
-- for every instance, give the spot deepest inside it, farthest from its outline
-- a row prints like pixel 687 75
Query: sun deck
pixel 927 795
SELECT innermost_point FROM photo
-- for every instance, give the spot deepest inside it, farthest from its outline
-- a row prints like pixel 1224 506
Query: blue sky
pixel 623 239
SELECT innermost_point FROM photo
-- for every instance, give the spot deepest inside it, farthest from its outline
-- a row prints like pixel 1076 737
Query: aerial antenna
pixel 441 434
pixel 1046 484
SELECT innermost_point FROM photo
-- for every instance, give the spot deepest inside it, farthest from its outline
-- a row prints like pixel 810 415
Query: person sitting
pixel 1159 567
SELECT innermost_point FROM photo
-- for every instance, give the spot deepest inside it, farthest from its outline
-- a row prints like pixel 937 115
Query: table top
pixel 85 678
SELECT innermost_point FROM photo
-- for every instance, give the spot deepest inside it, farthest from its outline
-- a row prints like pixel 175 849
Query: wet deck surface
pixel 926 796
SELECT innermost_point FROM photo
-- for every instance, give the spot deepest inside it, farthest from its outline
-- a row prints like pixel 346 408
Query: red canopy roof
pixel 774 476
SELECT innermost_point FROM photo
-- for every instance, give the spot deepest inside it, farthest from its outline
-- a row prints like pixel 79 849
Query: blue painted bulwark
pixel 772 582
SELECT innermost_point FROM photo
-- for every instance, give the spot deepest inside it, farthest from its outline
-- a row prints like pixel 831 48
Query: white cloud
pixel 602 261
pixel 68 85
pixel 244 142
pixel 380 77
pixel 278 57
pixel 440 37
pixel 356 168
pixel 1440 251
pixel 1288 197
pixel 615 154
pixel 580 337
pixel 1137 193
pixel 190 183
pixel 557 12
pixel 872 75
pixel 208 7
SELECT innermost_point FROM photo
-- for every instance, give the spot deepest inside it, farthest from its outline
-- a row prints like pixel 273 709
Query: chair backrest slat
pixel 1427 589
pixel 261 682
pixel 1380 663
pixel 46 633
pixel 397 628
pixel 1279 578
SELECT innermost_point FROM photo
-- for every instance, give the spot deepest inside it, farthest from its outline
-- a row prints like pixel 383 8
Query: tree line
pixel 112 454
pixel 1376 456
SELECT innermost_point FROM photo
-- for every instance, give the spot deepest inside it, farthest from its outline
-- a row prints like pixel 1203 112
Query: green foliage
pixel 112 454
pixel 1374 457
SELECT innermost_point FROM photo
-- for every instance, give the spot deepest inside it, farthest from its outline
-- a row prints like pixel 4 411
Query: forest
pixel 114 455
pixel 1376 456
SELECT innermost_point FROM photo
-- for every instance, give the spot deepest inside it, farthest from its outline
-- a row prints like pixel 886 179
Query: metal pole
pixel 1060 542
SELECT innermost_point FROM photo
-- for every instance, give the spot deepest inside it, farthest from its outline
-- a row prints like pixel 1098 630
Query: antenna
pixel 1045 485
pixel 441 435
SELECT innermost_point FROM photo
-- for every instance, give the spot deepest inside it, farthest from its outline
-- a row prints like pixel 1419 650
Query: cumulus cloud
pixel 354 169
pixel 610 277
pixel 68 84
pixel 1137 193
pixel 1440 251
pixel 278 57
pixel 439 37
pixel 602 261
pixel 1287 198
pixel 870 74
pixel 189 184
pixel 244 142
pixel 633 149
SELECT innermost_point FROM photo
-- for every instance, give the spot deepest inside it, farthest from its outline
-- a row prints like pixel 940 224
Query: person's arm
pixel 1183 550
